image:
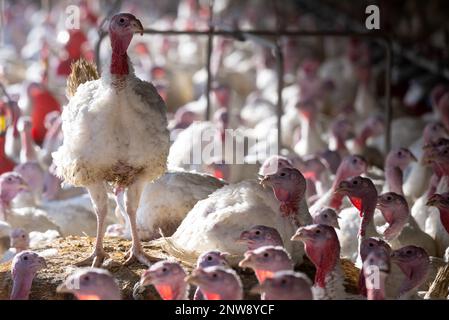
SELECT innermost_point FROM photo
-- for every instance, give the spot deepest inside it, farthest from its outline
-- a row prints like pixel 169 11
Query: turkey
pixel 267 260
pixel 323 249
pixel 217 222
pixel 166 201
pixel 104 125
pixel 285 285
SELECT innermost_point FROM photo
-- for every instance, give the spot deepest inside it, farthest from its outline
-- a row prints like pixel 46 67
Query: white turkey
pixel 115 131
pixel 217 222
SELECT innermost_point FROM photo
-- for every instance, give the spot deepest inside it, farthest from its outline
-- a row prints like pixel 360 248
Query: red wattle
pixel 357 202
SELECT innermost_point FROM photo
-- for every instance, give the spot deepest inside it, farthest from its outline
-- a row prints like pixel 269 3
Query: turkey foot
pixel 134 255
pixel 95 259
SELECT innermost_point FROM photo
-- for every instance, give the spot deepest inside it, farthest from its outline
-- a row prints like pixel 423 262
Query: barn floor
pixel 64 252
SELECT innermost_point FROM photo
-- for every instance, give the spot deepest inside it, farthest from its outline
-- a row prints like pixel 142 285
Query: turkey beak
pixel 137 26
pixel 146 278
pixel 42 262
pixel 335 224
pixel 266 182
pixel 342 188
pixel 412 156
pixel 243 237
pixel 300 235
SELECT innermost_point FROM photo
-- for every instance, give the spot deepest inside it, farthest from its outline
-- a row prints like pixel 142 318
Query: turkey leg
pixel 99 197
pixel 136 252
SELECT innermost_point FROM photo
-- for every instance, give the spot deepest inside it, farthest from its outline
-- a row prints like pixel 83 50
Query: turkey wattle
pixel 217 222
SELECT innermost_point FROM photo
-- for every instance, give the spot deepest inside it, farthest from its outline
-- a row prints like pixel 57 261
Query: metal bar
pixel 388 108
pixel 280 72
pixel 210 40
pixel 255 36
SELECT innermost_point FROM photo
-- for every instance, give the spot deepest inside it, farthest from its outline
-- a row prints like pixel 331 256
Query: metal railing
pixel 259 36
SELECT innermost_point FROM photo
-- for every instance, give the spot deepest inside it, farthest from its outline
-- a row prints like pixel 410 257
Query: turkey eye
pixel 266 255
pixel 389 198
pixel 86 278
pixel 354 161
pixel 121 20
pixel 283 174
pixel 9 179
pixel 214 275
pixel 164 269
pixel 209 258
pixel 257 232
pixel 325 215
pixel 283 282
pixel 318 231
pixel 355 182
pixel 371 244
pixel 400 153
pixel 409 252
pixel 23 236
pixel 25 258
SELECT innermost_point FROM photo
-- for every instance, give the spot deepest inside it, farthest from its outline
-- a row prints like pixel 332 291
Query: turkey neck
pixel 30 153
pixel 21 286
pixel 394 179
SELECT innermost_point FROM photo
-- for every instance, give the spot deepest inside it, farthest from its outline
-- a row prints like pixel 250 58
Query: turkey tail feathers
pixel 82 71
pixel 166 244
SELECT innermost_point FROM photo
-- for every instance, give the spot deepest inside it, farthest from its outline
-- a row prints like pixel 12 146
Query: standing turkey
pixel 115 131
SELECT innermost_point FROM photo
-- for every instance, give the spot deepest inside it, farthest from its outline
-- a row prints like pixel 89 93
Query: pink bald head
pixel 415 263
pixel 91 284
pixel 24 267
pixel 326 216
pixel 259 236
pixel 322 247
pixel 351 166
pixel 217 283
pixel 212 258
pixel 376 269
pixel 286 285
pixel 168 279
pixel 396 162
pixel 267 260
pixel 33 175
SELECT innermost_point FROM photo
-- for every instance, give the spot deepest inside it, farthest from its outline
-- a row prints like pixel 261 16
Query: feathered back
pixel 82 71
